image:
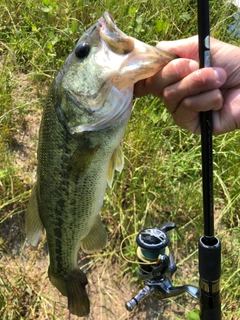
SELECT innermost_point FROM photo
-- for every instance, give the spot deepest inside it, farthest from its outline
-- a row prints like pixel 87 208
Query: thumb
pixel 184 48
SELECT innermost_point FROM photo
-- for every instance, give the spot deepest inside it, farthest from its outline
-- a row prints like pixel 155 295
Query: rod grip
pixel 209 258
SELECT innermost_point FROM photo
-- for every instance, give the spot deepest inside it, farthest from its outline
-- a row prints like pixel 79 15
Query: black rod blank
pixel 206 122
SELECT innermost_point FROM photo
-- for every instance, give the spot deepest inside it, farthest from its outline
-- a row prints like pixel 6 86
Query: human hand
pixel 187 90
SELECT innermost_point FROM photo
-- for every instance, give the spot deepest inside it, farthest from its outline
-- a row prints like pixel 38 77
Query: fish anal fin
pixel 58 282
pixel 73 286
pixel 96 238
pixel 116 163
pixel 33 223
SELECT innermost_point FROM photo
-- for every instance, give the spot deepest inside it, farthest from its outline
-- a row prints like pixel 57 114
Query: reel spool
pixel 153 251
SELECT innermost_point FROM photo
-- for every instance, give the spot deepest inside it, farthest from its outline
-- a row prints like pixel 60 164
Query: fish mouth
pixel 139 60
pixel 116 40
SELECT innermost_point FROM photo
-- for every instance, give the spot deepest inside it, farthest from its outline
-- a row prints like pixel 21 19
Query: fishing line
pixel 139 254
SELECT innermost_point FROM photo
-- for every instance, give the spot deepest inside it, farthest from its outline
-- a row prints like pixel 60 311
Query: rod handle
pixel 210 306
pixel 209 258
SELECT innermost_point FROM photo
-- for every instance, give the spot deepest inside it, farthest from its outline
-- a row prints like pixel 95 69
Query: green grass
pixel 161 180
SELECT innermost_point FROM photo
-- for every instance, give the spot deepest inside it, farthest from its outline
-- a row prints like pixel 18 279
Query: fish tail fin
pixel 73 286
pixel 33 223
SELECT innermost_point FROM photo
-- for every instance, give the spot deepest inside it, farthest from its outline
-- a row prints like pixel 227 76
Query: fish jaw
pixel 143 62
pixel 139 60
pixel 116 40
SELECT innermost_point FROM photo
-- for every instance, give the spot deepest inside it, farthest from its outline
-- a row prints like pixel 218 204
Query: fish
pixel 79 149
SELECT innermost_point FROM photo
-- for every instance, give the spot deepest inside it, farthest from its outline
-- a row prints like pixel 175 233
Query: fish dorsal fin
pixel 33 224
pixel 96 238
pixel 116 163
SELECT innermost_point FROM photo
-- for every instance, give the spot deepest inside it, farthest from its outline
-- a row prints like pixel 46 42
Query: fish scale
pixel 79 148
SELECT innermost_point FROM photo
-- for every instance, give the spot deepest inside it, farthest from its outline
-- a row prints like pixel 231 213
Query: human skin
pixel 187 90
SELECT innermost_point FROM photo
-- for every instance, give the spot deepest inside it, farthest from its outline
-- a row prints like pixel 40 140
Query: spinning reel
pixel 157 266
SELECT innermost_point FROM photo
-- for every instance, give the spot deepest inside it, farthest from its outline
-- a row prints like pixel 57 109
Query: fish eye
pixel 82 50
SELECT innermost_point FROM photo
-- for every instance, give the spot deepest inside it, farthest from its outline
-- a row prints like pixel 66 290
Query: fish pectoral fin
pixel 96 238
pixel 33 223
pixel 73 286
pixel 116 163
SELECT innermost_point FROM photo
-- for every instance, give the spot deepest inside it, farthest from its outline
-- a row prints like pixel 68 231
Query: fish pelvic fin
pixel 116 163
pixel 33 223
pixel 96 238
pixel 73 286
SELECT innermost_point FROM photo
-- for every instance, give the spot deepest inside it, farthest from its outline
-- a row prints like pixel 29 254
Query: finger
pixel 202 80
pixel 186 114
pixel 177 68
pixel 140 89
pixel 173 72
pixel 184 48
pixel 228 117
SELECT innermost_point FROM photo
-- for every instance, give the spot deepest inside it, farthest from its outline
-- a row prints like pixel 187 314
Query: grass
pixel 161 180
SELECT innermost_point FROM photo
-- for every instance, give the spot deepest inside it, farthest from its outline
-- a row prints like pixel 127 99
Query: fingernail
pixel 193 65
pixel 220 74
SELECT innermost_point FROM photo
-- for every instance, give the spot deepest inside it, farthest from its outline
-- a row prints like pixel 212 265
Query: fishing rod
pixel 209 247
pixel 156 262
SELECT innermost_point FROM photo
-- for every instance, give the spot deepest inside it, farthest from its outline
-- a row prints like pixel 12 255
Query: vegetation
pixel 161 180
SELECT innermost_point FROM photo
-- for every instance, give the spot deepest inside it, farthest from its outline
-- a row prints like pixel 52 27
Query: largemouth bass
pixel 79 149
